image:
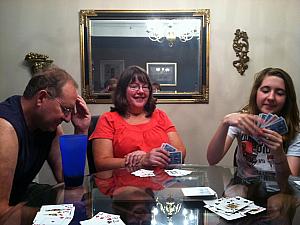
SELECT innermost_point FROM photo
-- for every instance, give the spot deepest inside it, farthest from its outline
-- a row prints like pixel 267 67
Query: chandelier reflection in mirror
pixel 171 30
pixel 185 217
pixel 174 212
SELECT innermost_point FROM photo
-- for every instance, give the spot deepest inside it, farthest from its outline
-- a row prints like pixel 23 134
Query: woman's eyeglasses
pixel 136 87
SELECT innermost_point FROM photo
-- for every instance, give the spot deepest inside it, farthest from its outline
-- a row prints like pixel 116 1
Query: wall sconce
pixel 38 61
pixel 170 30
pixel 241 48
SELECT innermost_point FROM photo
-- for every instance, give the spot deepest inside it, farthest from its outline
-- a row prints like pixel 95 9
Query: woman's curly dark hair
pixel 130 75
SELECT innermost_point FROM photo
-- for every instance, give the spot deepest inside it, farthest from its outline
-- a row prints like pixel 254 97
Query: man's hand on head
pixel 81 117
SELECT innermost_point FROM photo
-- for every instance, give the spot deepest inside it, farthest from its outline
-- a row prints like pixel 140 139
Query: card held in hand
pixel 168 147
pixel 176 157
pixel 278 126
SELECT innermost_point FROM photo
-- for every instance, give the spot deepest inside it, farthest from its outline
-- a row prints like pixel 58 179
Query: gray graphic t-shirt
pixel 254 159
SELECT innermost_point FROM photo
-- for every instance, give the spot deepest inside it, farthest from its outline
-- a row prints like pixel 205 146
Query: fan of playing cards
pixel 273 122
pixel 175 155
pixel 232 208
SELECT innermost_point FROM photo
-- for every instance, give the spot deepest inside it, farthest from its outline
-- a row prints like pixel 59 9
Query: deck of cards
pixel 175 155
pixel 233 208
pixel 273 122
pixel 103 218
pixel 54 215
pixel 206 192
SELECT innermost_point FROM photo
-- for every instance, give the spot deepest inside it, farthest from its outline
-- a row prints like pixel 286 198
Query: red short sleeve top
pixel 127 138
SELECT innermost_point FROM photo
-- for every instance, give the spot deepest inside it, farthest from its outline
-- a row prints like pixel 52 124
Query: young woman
pixel 273 92
pixel 132 133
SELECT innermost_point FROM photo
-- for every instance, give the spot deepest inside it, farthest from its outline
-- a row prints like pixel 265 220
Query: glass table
pixel 159 199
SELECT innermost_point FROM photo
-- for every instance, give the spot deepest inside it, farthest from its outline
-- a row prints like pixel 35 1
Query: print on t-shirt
pixel 256 155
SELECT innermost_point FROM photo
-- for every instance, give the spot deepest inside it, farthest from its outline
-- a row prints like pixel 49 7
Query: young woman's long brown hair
pixel 290 110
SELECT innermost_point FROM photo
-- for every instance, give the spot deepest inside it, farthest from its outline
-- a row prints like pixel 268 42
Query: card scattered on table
pixel 233 208
pixel 171 172
pixel 103 218
pixel 54 215
pixel 175 155
pixel 178 172
pixel 199 191
pixel 297 182
pixel 143 173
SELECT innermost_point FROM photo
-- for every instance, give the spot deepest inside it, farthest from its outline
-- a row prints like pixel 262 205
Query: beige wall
pixel 52 27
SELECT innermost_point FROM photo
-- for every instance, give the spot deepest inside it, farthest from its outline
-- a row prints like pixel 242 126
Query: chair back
pixel 89 153
pixel 234 156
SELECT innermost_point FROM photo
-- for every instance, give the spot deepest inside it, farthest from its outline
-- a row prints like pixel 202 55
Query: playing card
pixel 103 218
pixel 270 120
pixel 54 215
pixel 168 147
pixel 229 205
pixel 56 207
pixel 297 182
pixel 66 210
pixel 143 173
pixel 252 209
pixel 107 218
pixel 48 220
pixel 279 126
pixel 223 215
pixel 178 172
pixel 263 115
pixel 233 204
pixel 214 202
pixel 232 208
pixel 176 158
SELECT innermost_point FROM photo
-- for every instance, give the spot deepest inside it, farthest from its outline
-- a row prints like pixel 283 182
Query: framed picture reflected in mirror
pixel 163 73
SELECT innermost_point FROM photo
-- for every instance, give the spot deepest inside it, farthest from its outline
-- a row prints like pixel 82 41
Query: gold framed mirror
pixel 172 45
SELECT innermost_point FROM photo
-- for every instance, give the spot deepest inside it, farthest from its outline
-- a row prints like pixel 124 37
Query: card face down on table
pixel 200 192
pixel 175 155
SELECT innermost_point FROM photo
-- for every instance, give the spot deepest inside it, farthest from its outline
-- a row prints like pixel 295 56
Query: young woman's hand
pixel 272 140
pixel 246 122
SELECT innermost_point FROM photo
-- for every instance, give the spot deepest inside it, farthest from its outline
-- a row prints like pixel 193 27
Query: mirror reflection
pixel 171 46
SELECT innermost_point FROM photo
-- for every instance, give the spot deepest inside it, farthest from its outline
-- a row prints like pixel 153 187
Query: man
pixel 30 127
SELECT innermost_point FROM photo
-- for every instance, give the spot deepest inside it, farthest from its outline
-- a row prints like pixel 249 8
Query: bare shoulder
pixel 8 141
pixel 8 160
pixel 8 136
pixel 6 128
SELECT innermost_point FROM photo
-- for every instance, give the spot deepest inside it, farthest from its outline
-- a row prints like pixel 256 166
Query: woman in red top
pixel 130 135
